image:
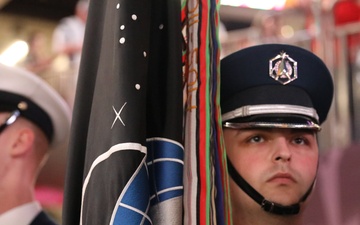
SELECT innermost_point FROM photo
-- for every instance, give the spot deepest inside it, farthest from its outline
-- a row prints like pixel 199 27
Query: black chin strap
pixel 267 205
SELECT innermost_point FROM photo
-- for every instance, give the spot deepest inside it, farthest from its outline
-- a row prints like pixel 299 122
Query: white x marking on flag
pixel 117 117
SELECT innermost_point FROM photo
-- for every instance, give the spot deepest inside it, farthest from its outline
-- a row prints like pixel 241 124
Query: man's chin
pixel 284 199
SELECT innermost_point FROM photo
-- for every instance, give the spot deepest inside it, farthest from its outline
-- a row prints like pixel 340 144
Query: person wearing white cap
pixel 274 99
pixel 33 119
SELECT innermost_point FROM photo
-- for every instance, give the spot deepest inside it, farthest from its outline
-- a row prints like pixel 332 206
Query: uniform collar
pixel 21 215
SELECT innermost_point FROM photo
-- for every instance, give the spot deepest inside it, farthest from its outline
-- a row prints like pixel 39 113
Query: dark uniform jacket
pixel 42 219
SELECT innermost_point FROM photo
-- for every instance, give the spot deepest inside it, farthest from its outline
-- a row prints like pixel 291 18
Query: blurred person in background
pixel 37 60
pixel 67 41
pixel 33 119
pixel 270 29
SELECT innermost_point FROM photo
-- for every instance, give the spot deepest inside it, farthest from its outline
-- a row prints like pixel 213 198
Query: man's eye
pixel 256 139
pixel 299 141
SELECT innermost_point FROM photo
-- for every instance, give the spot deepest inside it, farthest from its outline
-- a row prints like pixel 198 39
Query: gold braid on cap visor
pixel 252 110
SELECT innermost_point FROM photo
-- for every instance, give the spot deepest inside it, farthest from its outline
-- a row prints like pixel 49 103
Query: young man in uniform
pixel 33 118
pixel 274 98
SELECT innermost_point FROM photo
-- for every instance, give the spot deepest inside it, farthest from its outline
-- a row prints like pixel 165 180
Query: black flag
pixel 126 154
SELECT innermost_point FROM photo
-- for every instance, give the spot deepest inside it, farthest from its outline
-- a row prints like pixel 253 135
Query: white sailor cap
pixel 36 100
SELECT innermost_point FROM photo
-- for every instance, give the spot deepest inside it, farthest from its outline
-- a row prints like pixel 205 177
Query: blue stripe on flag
pixel 132 208
pixel 165 165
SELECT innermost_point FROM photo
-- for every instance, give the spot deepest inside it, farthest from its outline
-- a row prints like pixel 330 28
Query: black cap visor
pixel 294 121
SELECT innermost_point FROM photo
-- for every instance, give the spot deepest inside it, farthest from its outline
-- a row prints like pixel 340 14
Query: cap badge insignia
pixel 282 68
pixel 22 106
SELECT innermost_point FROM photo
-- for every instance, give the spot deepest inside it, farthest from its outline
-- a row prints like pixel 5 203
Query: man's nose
pixel 282 151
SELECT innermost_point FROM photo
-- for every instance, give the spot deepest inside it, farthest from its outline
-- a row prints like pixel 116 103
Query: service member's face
pixel 280 164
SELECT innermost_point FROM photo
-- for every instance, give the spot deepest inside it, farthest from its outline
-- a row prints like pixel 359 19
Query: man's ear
pixel 23 143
